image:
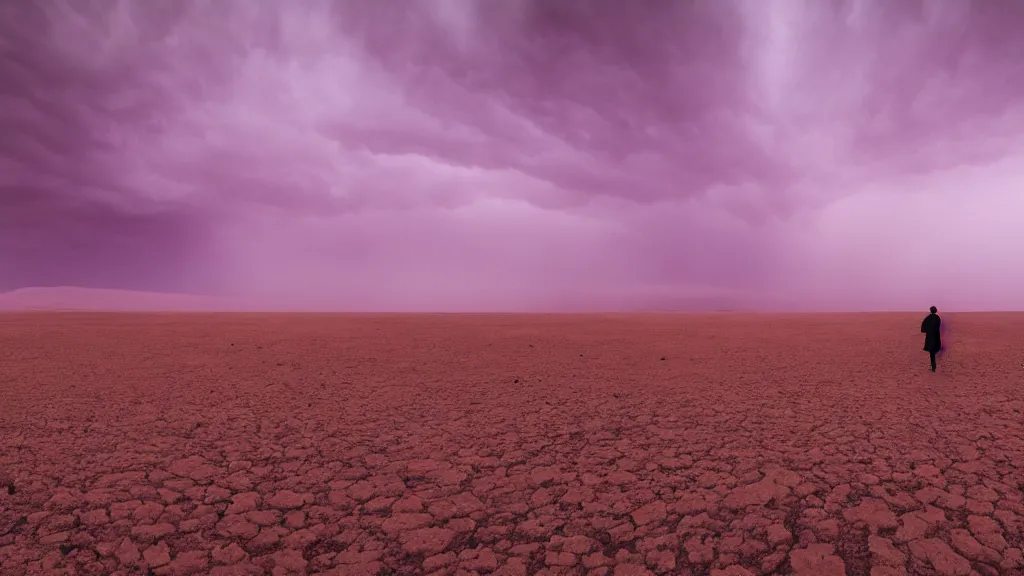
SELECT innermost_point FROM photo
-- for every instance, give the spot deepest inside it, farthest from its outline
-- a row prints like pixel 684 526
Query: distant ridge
pixel 69 298
pixel 658 299
pixel 643 300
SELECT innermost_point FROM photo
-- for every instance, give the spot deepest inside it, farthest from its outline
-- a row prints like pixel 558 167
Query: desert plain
pixel 714 444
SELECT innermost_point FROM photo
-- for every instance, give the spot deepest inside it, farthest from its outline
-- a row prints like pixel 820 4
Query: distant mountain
pixel 96 299
pixel 643 299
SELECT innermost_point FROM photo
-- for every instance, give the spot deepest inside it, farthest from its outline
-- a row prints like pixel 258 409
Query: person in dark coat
pixel 932 339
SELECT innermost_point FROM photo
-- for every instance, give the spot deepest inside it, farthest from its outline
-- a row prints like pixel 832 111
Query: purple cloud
pixel 463 154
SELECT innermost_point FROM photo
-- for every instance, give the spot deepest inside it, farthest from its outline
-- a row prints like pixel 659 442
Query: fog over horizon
pixel 517 155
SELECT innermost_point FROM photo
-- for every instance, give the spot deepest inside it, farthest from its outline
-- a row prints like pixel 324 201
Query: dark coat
pixel 930 327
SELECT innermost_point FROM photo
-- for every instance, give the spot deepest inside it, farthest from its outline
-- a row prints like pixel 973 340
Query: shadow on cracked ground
pixel 358 445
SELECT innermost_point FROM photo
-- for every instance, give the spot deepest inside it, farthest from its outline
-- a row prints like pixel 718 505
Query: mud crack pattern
pixel 509 445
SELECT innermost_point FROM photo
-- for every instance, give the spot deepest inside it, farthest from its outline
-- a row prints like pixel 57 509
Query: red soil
pixel 289 444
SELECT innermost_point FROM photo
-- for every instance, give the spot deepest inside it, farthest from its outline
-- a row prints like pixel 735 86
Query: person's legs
pixel 931 356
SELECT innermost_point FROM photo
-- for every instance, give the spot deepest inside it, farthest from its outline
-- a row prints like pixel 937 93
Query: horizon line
pixel 493 312
pixel 79 299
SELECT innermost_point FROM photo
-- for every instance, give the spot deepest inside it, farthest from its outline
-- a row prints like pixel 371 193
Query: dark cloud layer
pixel 462 153
pixel 52 240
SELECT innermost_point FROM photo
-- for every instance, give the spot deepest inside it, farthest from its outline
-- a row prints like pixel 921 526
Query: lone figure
pixel 932 340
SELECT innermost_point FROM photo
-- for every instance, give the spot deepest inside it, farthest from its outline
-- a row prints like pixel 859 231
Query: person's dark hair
pixel 933 309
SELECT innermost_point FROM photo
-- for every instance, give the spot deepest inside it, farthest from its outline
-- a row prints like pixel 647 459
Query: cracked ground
pixel 721 445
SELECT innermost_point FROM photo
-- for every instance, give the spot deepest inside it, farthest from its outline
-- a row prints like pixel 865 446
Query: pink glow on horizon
pixel 517 155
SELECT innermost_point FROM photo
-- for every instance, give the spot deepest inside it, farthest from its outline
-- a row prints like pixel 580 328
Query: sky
pixel 517 155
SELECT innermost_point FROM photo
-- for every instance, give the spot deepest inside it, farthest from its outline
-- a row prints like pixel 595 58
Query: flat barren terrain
pixel 474 444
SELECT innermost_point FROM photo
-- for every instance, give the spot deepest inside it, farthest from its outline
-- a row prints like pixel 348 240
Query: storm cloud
pixel 465 154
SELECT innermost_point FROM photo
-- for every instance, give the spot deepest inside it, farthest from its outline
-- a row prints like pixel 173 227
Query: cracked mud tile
pixel 394 451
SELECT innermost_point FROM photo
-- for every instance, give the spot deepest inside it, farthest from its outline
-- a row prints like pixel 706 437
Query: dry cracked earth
pixel 724 445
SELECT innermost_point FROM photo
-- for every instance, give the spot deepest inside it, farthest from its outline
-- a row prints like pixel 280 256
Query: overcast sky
pixel 517 154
